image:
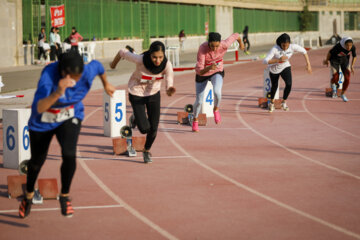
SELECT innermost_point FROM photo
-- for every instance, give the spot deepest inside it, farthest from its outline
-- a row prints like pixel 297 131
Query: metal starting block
pixel 126 132
pixel 48 188
pixel 263 103
pixel 16 185
pixel 328 92
pixel 120 145
pixel 127 143
pixel 187 116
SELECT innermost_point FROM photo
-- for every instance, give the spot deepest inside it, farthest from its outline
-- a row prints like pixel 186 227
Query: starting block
pixel 48 188
pixel 263 103
pixel 126 133
pixel 120 145
pixel 114 113
pixel 16 185
pixel 187 116
pixel 128 143
pixel 183 118
pixel 328 92
pixel 16 144
pixel 207 106
pixel 138 143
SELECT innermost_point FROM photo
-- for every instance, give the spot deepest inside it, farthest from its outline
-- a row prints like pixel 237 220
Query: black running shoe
pixel 66 207
pixel 25 207
pixel 132 122
pixel 129 48
pixel 147 157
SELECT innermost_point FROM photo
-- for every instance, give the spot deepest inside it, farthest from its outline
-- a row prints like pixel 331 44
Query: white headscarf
pixel 343 40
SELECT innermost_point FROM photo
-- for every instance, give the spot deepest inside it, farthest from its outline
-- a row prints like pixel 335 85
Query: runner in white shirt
pixel 279 65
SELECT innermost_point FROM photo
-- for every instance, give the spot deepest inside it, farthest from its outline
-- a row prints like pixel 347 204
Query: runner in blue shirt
pixel 57 110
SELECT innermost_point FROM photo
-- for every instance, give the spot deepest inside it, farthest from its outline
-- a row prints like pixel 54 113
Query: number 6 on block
pixel 114 113
pixel 16 143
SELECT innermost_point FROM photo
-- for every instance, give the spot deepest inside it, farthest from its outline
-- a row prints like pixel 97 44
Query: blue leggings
pixel 217 82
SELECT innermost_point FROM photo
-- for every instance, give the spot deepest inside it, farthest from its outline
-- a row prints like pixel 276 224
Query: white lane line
pixel 322 121
pixel 56 209
pixel 277 112
pixel 286 148
pixel 219 128
pixel 116 198
pixel 130 158
pixel 328 99
pixel 253 191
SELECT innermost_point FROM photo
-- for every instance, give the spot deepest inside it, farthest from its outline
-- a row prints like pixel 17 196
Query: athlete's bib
pixel 58 114
pixel 149 79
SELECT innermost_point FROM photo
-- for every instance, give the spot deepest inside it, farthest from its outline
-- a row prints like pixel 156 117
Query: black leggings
pixel 67 136
pixel 286 76
pixel 53 51
pixel 147 124
pixel 41 52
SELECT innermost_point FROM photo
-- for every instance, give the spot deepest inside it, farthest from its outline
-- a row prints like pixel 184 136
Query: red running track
pixel 284 175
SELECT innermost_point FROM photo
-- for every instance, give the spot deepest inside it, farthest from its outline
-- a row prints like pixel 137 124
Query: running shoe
pixel 344 98
pixel 66 207
pixel 284 106
pixel 25 207
pixel 271 107
pixel 147 157
pixel 217 117
pixel 195 126
pixel 132 122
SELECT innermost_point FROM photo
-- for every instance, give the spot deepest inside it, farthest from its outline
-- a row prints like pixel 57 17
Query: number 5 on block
pixel 114 113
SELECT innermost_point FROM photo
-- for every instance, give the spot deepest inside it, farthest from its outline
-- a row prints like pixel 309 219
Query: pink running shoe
pixel 195 126
pixel 217 117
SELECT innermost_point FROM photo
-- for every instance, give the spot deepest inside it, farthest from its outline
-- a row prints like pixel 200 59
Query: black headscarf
pixel 214 37
pixel 71 63
pixel 149 65
pixel 283 38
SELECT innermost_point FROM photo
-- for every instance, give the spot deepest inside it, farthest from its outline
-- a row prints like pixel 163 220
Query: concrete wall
pixel 327 21
pixel 11 33
pixel 224 21
pixel 191 43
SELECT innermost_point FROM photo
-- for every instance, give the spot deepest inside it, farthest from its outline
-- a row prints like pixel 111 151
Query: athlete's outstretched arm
pixel 108 87
pixel 241 44
pixel 115 61
pixel 308 65
pixel 352 64
pixel 327 59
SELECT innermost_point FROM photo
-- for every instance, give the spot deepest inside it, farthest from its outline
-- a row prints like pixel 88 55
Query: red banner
pixel 206 28
pixel 57 16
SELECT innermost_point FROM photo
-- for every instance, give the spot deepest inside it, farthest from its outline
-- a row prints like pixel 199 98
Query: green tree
pixel 305 19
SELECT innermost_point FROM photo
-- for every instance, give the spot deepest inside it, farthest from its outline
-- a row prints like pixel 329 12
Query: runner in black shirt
pixel 339 56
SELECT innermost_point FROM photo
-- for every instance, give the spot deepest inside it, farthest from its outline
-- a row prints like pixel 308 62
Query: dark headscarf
pixel 71 63
pixel 73 28
pixel 283 38
pixel 149 65
pixel 214 37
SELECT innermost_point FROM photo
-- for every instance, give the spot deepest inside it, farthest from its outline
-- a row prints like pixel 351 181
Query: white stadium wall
pixel 11 33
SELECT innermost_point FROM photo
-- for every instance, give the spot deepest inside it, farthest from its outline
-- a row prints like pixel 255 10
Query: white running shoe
pixel 284 106
pixel 271 107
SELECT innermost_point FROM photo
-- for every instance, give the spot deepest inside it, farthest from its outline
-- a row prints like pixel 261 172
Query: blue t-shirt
pixel 73 96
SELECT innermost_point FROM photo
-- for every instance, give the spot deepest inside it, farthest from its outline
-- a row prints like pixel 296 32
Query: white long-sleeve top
pixel 135 87
pixel 277 52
